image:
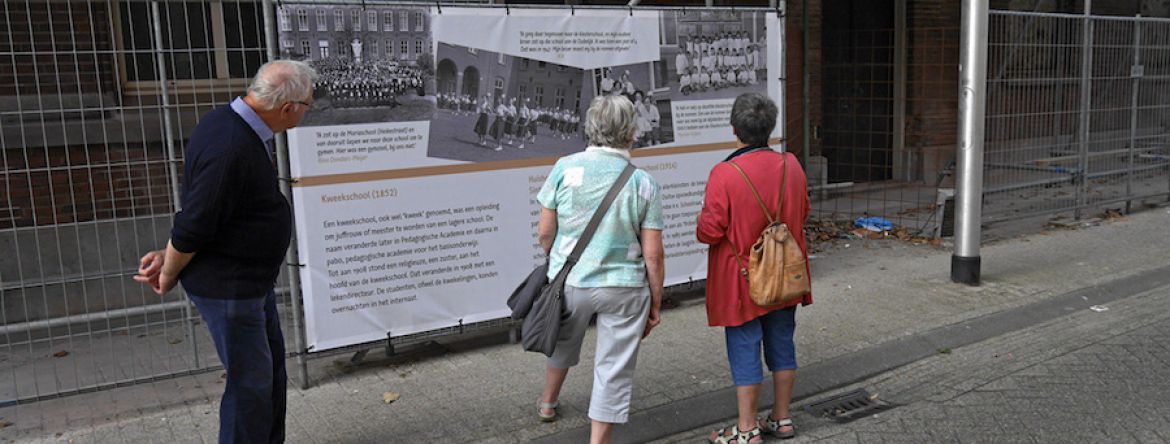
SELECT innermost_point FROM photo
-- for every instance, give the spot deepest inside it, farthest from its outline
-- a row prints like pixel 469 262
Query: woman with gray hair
pixel 619 275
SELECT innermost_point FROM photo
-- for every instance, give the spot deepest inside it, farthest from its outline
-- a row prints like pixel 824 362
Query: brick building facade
pixel 316 32
pixel 477 72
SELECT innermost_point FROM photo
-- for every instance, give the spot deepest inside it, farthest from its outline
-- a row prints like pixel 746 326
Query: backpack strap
pixel 779 205
pixel 783 184
pixel 759 199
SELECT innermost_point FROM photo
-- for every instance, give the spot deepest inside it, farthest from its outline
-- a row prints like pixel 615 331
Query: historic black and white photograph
pixel 638 83
pixel 713 54
pixel 375 63
pixel 493 106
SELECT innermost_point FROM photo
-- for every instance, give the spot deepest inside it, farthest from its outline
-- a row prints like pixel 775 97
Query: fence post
pixel 291 258
pixel 172 159
pixel 1082 190
pixel 903 160
pixel 805 94
pixel 965 262
pixel 1135 72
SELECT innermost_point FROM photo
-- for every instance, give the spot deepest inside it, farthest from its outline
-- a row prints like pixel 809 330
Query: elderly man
pixel 228 242
pixel 730 221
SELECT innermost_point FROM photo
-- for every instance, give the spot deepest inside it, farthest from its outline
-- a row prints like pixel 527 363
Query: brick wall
pixel 82 183
pixel 932 83
pixel 793 72
pixel 56 46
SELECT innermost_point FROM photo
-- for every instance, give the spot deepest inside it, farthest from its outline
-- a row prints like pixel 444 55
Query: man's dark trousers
pixel 251 346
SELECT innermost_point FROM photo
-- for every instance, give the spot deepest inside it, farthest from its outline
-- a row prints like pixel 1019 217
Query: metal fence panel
pixel 96 101
pixel 1074 120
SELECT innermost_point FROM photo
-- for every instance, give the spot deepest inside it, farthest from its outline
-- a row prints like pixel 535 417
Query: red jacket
pixel 729 207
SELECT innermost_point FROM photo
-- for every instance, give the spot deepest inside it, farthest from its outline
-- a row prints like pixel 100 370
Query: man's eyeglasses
pixel 307 105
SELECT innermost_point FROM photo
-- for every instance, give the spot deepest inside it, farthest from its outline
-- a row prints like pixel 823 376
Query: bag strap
pixel 587 235
pixel 768 214
pixel 752 186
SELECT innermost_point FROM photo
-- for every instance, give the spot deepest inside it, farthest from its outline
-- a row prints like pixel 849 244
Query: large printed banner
pixel 432 132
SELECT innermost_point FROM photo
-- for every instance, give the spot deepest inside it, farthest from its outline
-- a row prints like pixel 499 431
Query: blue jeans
pixel 774 331
pixel 249 343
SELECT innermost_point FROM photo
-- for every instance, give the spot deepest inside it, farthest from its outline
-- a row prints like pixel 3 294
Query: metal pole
pixel 291 257
pixel 172 160
pixel 902 162
pixel 1135 72
pixel 965 263
pixel 1082 191
pixel 805 114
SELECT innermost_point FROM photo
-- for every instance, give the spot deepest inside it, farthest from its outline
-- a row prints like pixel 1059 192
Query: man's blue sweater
pixel 234 218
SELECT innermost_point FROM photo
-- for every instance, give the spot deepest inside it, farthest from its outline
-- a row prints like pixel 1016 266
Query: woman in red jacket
pixel 730 222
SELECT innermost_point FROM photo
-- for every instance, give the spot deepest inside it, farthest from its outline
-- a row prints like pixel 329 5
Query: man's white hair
pixel 282 81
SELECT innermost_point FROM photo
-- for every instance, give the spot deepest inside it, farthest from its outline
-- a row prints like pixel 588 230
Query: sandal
pixel 773 426
pixel 547 406
pixel 722 436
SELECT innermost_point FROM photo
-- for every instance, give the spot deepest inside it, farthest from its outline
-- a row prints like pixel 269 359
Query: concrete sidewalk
pixel 1089 376
pixel 868 293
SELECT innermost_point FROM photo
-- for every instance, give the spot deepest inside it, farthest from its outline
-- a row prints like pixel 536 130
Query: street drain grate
pixel 848 407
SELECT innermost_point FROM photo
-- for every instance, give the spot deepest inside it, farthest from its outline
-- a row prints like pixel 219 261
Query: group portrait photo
pixel 713 54
pixel 375 64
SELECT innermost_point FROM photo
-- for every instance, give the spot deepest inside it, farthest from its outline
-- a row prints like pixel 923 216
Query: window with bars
pixel 306 50
pixel 559 97
pixel 404 49
pixel 302 20
pixel 372 20
pixel 322 21
pixel 324 46
pixel 404 21
pixel 388 21
pixel 389 49
pixel 419 25
pixel 338 20
pixel 355 17
pixel 521 90
pixel 201 40
pixel 539 95
pixel 418 47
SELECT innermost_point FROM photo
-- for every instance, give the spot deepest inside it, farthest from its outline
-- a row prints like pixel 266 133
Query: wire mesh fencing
pixel 98 98
pixel 1077 114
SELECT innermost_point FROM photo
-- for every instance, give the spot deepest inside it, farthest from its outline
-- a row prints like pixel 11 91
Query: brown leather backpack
pixel 776 271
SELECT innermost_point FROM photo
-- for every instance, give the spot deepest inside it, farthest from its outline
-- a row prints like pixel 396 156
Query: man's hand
pixel 150 272
pixel 652 321
pixel 150 267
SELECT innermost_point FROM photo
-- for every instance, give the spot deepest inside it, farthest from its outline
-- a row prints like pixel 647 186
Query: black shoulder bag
pixel 540 302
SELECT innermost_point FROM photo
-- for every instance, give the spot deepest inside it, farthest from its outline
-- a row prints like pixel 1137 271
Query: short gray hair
pixel 281 81
pixel 609 121
pixel 753 116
